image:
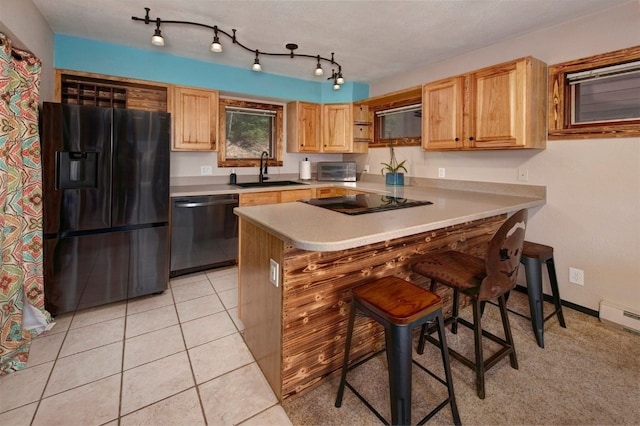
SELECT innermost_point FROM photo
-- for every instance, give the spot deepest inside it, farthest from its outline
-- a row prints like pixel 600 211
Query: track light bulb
pixel 318 72
pixel 216 47
pixel 256 64
pixel 157 39
pixel 340 79
pixel 336 86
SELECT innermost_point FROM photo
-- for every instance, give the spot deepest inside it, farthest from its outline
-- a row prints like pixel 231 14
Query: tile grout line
pixel 193 375
pixel 124 344
pixel 55 361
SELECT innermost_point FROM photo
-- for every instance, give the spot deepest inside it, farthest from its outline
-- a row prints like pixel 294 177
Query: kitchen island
pixel 297 263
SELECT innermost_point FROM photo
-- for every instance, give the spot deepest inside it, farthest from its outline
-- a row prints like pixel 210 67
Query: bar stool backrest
pixel 503 257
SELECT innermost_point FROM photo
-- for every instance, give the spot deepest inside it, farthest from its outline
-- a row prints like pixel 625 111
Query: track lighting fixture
pixel 157 39
pixel 337 78
pixel 318 70
pixel 256 64
pixel 216 47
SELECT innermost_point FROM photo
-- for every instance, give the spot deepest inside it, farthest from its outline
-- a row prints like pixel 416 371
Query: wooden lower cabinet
pixel 274 197
pixel 259 198
pixel 296 330
pixel 330 192
pixel 290 195
pixel 335 191
pixel 297 194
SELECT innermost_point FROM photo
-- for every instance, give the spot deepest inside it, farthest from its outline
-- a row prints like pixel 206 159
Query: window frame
pixel 406 97
pixel 560 99
pixel 276 159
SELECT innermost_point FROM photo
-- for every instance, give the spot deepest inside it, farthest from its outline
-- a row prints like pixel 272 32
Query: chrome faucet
pixel 263 172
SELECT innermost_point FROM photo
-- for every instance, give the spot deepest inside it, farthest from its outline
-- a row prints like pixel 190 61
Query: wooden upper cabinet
pixel 304 131
pixel 442 118
pixel 498 107
pixel 337 128
pixel 319 128
pixel 195 119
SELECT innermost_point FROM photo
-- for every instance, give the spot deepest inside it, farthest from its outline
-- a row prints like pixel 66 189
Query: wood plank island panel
pixel 316 298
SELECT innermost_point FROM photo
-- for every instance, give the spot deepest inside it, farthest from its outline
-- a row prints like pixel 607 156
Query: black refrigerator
pixel 106 204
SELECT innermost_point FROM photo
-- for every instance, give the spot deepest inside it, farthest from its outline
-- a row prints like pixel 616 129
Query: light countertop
pixel 317 229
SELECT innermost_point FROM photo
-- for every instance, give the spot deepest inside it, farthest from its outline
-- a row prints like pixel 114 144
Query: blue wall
pixel 79 54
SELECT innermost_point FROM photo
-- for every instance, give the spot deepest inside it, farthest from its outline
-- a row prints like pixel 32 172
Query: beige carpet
pixel 587 374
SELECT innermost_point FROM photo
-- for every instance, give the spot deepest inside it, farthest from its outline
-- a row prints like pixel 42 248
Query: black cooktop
pixel 364 203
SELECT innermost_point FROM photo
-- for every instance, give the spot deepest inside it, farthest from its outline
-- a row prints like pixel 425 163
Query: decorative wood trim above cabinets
pixel 82 88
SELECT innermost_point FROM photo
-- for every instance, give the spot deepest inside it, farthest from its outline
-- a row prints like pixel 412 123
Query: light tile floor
pixel 173 359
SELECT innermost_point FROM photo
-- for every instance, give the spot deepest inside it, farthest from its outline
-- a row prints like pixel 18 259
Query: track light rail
pixel 216 46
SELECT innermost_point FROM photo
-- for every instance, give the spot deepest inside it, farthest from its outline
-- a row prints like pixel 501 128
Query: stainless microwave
pixel 342 171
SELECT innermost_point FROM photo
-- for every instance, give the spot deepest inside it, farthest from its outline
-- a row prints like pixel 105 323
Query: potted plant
pixel 393 176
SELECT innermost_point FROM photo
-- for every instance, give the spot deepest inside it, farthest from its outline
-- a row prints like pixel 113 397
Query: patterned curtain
pixel 21 282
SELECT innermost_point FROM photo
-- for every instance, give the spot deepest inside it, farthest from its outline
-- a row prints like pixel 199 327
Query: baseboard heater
pixel 619 316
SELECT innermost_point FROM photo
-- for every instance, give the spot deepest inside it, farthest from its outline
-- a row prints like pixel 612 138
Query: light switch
pixel 274 272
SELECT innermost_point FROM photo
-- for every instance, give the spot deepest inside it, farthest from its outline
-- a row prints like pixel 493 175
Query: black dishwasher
pixel 204 233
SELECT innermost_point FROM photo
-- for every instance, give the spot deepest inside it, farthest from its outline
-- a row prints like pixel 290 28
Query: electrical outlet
pixel 206 170
pixel 441 172
pixel 576 276
pixel 366 168
pixel 523 175
pixel 274 272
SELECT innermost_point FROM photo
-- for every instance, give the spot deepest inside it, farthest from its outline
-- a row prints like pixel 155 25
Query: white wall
pixel 22 22
pixel 592 215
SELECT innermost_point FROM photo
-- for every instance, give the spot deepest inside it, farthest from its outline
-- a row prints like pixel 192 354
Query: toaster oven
pixel 341 171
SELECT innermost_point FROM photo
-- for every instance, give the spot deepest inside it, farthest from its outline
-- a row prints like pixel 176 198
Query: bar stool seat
pixel 533 256
pixel 399 306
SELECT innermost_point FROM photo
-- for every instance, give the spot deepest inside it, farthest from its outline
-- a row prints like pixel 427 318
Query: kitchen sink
pixel 268 183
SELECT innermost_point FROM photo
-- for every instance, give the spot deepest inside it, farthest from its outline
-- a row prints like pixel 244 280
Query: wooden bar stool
pixel 481 280
pixel 533 256
pixel 399 306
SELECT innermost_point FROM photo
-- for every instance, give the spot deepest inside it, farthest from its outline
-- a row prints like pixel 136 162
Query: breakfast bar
pixel 298 261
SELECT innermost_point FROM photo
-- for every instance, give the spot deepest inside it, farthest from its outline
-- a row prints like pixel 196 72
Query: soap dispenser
pixel 232 177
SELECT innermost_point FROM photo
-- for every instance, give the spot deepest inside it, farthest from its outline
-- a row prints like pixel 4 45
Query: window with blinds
pixel 607 94
pixel 595 97
pixel 399 124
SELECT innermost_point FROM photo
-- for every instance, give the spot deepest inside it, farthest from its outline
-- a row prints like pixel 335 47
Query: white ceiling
pixel 372 40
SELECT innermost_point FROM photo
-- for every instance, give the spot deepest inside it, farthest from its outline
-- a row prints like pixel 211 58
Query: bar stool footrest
pixel 432 413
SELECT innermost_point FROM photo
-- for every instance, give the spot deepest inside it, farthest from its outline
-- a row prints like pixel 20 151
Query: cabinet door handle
pixel 457 139
pixel 470 138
